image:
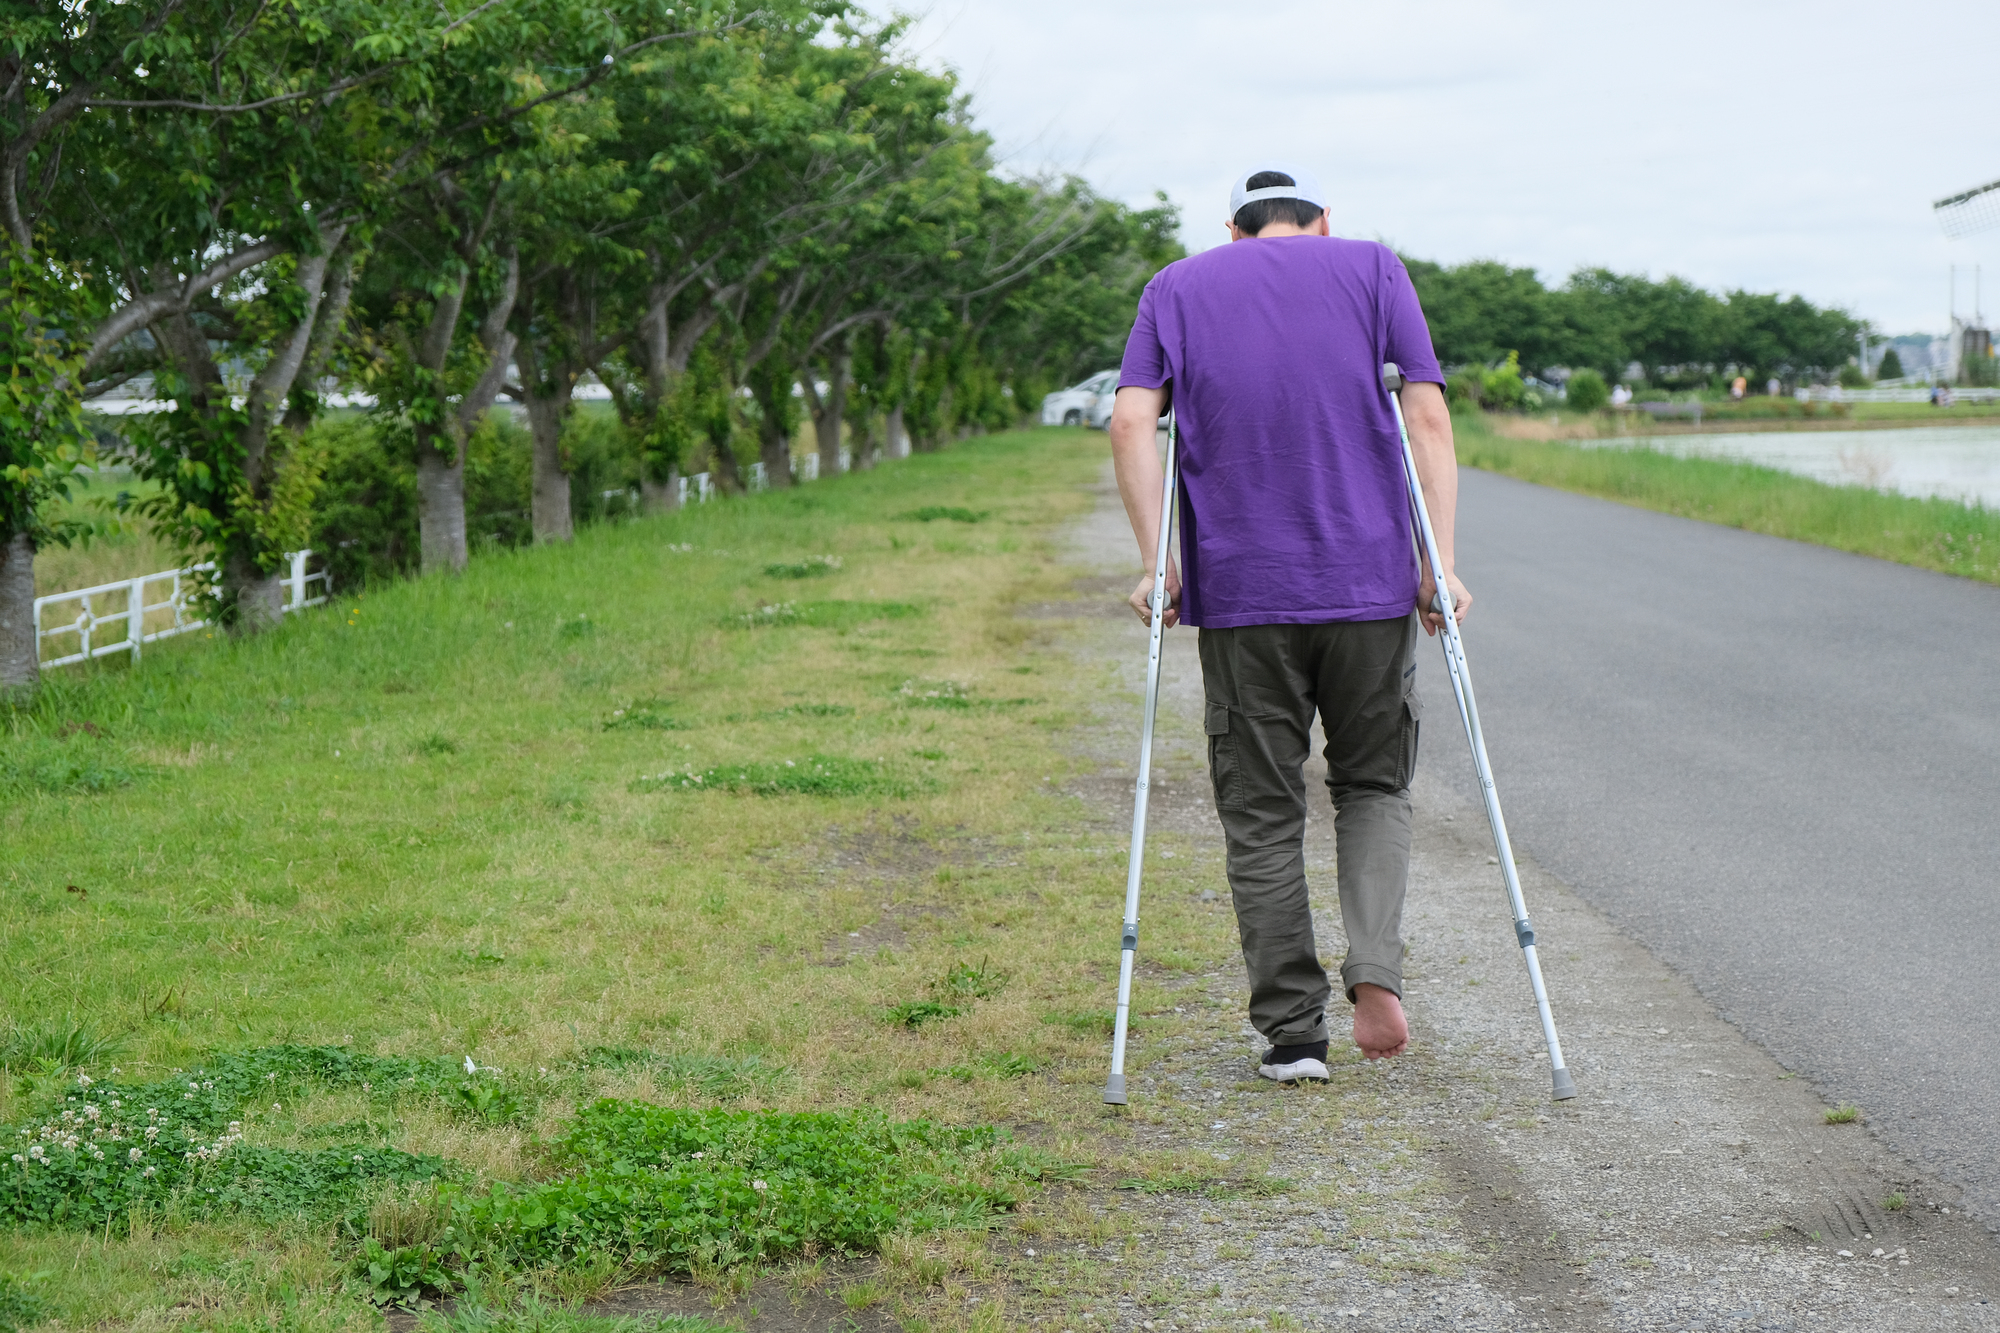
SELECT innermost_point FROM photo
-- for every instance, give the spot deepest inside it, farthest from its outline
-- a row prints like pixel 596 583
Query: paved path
pixel 1778 767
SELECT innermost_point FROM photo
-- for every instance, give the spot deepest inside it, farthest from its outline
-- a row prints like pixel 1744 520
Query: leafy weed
pixel 812 567
pixel 19 1306
pixel 916 1013
pixel 76 765
pixel 644 715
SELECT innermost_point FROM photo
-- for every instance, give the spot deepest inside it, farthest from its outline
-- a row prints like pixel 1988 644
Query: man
pixel 1298 568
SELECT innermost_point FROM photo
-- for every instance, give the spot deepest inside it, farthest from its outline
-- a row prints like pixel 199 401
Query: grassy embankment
pixel 680 815
pixel 1943 535
pixel 1752 416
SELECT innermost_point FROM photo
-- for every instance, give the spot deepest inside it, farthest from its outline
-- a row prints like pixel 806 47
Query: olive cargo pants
pixel 1263 685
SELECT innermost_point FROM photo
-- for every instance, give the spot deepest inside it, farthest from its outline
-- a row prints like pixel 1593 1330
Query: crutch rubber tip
pixel 1114 1091
pixel 1565 1086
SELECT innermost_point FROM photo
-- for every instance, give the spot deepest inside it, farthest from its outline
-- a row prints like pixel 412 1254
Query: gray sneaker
pixel 1291 1064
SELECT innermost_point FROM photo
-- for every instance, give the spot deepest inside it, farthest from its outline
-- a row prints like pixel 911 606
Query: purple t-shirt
pixel 1294 509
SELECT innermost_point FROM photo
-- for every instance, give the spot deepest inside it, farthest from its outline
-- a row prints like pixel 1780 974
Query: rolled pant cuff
pixel 1312 1036
pixel 1375 974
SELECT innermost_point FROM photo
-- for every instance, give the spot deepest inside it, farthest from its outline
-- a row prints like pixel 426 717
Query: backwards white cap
pixel 1306 188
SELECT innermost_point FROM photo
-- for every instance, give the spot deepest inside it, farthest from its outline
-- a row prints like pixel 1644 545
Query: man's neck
pixel 1274 230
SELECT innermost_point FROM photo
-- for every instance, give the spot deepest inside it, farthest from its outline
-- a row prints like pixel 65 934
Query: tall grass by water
pixel 1942 535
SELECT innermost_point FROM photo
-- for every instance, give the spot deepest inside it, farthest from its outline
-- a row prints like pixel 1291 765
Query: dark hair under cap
pixel 1258 214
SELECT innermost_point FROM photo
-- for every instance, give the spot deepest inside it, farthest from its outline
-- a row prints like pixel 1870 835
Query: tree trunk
pixel 20 658
pixel 551 516
pixel 722 462
pixel 441 505
pixel 861 433
pixel 658 497
pixel 897 445
pixel 775 450
pixel 834 409
pixel 256 599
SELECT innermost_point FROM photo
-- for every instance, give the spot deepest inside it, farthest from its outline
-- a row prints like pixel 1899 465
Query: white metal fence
pixel 125 616
pixel 1833 393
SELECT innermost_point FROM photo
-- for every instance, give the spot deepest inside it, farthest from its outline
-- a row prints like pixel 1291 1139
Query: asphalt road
pixel 1777 766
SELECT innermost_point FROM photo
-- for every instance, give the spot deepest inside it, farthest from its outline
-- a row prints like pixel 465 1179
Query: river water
pixel 1957 462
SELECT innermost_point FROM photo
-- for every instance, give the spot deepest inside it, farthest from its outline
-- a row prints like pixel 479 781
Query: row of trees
pixel 726 215
pixel 1679 334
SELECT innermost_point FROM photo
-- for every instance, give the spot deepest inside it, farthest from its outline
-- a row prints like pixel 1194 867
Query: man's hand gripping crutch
pixel 1441 615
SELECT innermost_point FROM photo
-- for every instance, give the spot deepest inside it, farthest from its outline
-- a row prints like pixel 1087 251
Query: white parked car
pixel 1085 404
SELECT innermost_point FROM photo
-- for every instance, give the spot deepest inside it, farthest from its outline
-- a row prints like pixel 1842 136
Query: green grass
pixel 1842 1115
pixel 1941 535
pixel 536 1316
pixel 415 828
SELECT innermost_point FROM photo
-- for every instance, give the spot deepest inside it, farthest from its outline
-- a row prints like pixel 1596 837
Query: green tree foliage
pixel 1678 333
pixel 737 220
pixel 1891 367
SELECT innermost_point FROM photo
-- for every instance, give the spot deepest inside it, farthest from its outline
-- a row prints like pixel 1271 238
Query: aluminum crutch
pixel 1468 713
pixel 1114 1087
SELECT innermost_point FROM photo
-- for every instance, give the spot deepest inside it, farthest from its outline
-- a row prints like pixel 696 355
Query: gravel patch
pixel 1693 1183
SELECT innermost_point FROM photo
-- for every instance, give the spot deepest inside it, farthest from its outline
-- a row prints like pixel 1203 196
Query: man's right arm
pixel 1134 429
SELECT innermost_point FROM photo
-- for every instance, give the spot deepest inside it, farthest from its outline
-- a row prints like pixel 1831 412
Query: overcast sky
pixel 1787 147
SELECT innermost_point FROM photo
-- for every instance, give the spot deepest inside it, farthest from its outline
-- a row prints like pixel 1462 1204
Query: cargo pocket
pixel 1413 722
pixel 1224 770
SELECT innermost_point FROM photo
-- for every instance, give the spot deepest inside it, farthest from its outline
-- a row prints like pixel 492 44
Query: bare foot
pixel 1380 1029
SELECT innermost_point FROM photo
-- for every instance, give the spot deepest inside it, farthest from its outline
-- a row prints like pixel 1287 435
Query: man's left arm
pixel 1428 418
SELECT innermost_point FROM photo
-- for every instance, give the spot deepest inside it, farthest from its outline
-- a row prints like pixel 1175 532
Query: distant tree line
pixel 1680 335
pixel 739 218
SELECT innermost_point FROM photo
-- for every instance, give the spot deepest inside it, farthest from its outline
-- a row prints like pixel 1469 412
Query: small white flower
pixel 194 1087
pixel 277 1106
pixel 116 1103
pixel 83 1080
pixel 136 1154
pixel 759 1186
pixel 19 1158
pixel 149 1171
pixel 357 1157
pixel 698 1156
